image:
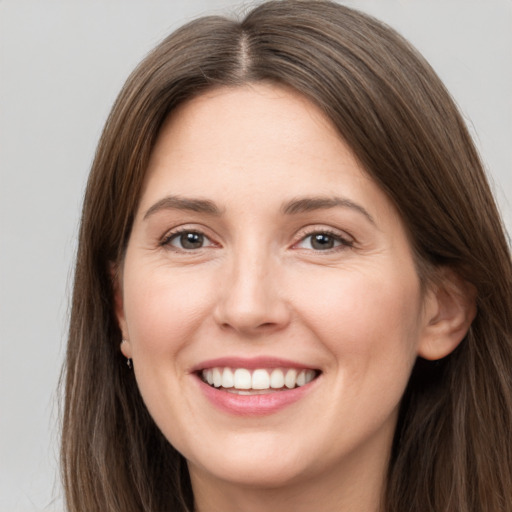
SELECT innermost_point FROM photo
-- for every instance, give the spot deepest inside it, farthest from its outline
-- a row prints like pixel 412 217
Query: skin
pixel 258 287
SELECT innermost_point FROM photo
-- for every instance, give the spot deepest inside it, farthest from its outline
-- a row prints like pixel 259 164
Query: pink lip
pixel 249 363
pixel 252 405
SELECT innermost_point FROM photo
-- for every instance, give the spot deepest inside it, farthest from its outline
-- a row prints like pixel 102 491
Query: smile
pixel 249 387
pixel 244 381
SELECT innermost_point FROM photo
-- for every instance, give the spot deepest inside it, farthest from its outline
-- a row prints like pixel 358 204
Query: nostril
pixel 266 326
pixel 251 331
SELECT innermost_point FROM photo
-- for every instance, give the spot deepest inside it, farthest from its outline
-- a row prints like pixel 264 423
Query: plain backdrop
pixel 61 66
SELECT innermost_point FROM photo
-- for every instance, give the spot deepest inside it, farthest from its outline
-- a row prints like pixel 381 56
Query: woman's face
pixel 264 259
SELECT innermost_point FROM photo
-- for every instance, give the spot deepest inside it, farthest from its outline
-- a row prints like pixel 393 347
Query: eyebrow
pixel 308 204
pixel 182 203
pixel 292 207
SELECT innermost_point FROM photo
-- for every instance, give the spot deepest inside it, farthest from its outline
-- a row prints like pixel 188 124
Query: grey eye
pixel 322 241
pixel 188 240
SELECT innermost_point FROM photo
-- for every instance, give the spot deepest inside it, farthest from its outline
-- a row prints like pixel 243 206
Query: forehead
pixel 260 144
pixel 251 119
pixel 249 132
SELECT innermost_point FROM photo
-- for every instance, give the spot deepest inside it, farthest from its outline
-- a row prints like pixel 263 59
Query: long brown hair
pixel 452 449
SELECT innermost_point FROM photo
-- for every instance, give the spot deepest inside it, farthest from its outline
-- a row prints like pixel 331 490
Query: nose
pixel 251 300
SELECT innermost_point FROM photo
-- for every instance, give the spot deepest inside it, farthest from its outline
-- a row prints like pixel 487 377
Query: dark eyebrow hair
pixel 182 203
pixel 292 207
pixel 308 204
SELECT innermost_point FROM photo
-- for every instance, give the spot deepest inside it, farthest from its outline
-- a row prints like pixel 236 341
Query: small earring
pixel 128 360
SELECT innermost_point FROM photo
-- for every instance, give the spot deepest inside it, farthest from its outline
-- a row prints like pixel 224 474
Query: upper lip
pixel 250 363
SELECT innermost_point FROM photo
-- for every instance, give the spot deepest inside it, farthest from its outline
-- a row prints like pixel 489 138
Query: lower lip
pixel 254 405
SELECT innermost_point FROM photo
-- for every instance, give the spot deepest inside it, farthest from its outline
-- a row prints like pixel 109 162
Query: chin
pixel 269 474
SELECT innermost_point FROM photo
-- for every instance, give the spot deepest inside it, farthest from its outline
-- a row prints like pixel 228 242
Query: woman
pixel 288 237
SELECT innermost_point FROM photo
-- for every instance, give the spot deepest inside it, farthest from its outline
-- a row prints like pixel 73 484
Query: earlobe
pixel 126 350
pixel 450 310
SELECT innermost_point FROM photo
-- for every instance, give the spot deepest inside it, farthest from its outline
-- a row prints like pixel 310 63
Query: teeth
pixel 217 377
pixel 242 379
pixel 260 379
pixel 228 379
pixel 291 379
pixel 277 379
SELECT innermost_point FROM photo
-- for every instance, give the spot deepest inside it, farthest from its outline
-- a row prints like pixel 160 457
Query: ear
pixel 450 307
pixel 115 275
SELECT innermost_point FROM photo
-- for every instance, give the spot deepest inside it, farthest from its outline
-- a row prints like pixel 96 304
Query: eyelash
pixel 166 241
pixel 343 242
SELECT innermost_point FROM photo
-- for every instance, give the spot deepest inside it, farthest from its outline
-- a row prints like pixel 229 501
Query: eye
pixel 323 241
pixel 187 240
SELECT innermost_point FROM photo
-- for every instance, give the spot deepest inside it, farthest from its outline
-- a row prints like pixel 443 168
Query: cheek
pixel 369 321
pixel 163 310
pixel 165 314
pixel 370 324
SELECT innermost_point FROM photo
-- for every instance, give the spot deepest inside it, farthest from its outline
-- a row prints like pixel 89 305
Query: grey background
pixel 61 66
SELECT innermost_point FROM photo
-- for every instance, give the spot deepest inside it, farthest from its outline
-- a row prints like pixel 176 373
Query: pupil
pixel 191 240
pixel 322 241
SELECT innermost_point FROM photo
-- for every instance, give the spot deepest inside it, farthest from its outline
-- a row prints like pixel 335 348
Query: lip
pixel 252 363
pixel 252 405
